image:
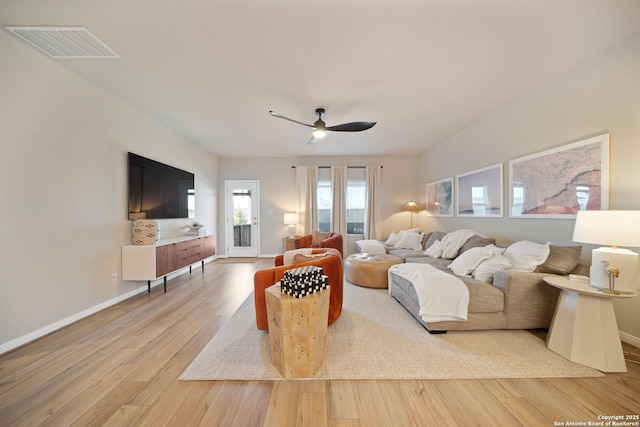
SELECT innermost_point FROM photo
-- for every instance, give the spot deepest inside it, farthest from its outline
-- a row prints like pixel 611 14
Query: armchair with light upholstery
pixel 331 263
pixel 319 240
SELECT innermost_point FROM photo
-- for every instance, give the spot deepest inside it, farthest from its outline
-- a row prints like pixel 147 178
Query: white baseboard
pixel 25 339
pixel 630 339
pixel 39 333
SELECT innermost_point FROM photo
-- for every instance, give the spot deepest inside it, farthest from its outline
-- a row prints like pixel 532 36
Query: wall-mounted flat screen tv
pixel 159 191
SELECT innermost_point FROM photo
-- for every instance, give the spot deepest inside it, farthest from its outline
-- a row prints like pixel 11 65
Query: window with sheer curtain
pixel 356 200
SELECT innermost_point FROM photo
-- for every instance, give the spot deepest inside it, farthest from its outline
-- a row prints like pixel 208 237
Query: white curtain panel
pixel 373 224
pixel 306 184
pixel 339 208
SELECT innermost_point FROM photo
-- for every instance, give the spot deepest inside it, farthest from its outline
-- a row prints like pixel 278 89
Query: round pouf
pixel 369 270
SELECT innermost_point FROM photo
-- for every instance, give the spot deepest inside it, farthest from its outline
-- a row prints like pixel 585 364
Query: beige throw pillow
pixel 561 260
pixel 317 237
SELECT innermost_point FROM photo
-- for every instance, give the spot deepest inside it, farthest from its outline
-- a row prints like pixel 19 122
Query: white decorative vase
pixel 145 232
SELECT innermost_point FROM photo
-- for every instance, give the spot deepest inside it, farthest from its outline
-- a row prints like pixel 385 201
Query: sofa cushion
pixel 483 297
pixel 526 256
pixel 561 260
pixel 406 253
pixel 440 263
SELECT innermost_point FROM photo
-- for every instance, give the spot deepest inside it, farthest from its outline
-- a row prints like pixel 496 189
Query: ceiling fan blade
pixel 280 116
pixel 352 127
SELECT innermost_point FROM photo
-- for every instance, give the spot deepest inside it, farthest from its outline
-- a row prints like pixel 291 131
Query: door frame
pixel 254 249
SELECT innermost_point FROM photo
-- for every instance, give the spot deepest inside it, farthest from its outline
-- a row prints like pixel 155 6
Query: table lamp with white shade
pixel 291 219
pixel 613 269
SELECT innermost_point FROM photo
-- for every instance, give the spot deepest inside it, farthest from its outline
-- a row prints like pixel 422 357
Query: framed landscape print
pixel 480 192
pixel 559 182
pixel 440 197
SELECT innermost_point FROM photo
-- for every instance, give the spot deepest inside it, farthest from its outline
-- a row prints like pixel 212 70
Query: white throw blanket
pixel 441 295
pixel 287 258
pixel 452 242
pixel 373 247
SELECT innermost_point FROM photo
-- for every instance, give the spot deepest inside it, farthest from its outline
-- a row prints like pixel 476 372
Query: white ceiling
pixel 423 69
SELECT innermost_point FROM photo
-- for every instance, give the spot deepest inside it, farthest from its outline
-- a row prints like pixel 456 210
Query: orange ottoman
pixel 369 270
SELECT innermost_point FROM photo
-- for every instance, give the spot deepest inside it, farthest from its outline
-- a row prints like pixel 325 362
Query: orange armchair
pixel 330 263
pixel 319 240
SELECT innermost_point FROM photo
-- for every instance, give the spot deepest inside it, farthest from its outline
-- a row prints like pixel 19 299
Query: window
pixel 325 199
pixel 356 200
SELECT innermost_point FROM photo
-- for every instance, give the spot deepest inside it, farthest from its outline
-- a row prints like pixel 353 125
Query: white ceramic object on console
pixel 145 232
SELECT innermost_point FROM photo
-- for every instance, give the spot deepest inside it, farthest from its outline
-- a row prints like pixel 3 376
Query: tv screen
pixel 159 191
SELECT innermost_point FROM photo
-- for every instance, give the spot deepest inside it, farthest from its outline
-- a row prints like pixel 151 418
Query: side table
pixel 297 331
pixel 289 243
pixel 584 328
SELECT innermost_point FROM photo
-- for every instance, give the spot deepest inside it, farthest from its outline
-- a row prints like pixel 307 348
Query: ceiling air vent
pixel 64 42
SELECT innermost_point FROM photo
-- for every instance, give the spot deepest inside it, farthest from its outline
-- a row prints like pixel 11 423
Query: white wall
pixel 603 94
pixel 278 190
pixel 63 148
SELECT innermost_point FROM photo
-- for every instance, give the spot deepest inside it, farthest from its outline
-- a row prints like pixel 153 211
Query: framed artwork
pixel 559 182
pixel 480 193
pixel 440 198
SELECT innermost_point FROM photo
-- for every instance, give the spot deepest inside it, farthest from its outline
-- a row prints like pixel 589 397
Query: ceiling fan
pixel 320 128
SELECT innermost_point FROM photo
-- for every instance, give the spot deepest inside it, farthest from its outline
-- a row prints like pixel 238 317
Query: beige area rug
pixel 236 260
pixel 376 338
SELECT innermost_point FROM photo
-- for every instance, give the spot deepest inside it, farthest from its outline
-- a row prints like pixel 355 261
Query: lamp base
pixel 291 230
pixel 624 260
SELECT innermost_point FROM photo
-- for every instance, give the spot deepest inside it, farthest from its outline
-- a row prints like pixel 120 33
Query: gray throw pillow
pixel 476 242
pixel 561 260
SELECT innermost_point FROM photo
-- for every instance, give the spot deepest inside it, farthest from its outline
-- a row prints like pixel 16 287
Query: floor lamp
pixel 412 207
pixel 613 270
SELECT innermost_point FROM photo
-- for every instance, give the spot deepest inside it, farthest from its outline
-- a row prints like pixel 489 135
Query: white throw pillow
pixel 486 269
pixel 435 250
pixel 526 256
pixel 464 264
pixel 409 241
pixel 392 239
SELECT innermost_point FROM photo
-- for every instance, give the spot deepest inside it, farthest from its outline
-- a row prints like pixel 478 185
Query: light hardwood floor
pixel 120 367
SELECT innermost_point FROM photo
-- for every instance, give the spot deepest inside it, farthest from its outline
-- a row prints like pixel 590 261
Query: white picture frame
pixel 480 192
pixel 558 182
pixel 439 201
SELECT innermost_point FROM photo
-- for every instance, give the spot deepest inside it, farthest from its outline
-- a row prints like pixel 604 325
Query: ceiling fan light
pixel 319 133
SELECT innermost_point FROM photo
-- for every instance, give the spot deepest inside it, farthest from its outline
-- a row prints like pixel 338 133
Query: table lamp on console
pixel 291 220
pixel 613 269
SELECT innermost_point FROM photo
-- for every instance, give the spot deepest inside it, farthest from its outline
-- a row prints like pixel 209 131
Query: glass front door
pixel 242 208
